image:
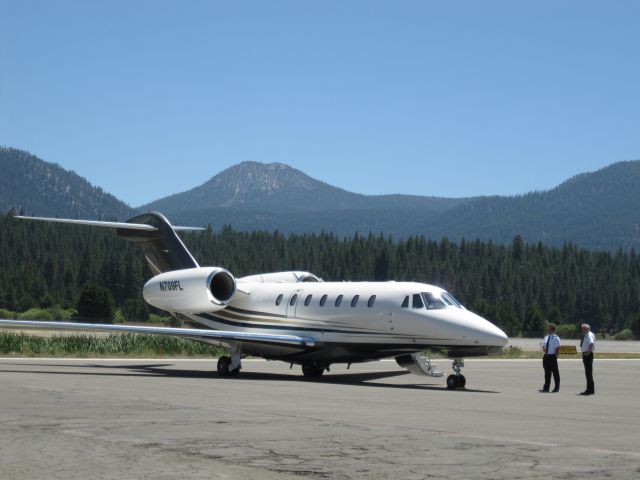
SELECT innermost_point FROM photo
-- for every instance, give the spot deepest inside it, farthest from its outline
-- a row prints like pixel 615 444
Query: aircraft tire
pixel 456 381
pixel 311 370
pixel 223 367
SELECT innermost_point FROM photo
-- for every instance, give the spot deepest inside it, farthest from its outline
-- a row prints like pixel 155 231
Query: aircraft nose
pixel 488 332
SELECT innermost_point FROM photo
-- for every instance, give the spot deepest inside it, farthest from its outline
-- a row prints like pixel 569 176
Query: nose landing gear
pixel 456 380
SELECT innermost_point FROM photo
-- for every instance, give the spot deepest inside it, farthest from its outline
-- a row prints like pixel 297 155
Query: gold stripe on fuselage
pixel 267 318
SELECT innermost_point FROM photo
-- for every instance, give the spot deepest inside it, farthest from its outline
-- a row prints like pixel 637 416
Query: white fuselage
pixel 352 319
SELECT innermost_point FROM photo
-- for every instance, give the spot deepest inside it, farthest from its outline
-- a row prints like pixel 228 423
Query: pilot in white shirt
pixel 588 346
pixel 550 346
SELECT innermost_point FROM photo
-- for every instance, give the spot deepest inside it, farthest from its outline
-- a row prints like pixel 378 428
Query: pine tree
pixel 95 304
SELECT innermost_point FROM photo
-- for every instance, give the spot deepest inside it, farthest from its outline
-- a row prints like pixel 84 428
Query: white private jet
pixel 295 316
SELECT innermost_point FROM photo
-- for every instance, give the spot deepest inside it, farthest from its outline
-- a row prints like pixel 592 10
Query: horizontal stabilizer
pixel 99 223
pixel 192 333
pixel 163 249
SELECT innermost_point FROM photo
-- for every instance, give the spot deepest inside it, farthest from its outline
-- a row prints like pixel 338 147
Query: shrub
pixel 625 334
pixel 8 314
pixel 168 320
pixel 36 314
pixel 46 314
pixel 62 314
pixel 118 316
pixel 511 352
pixel 568 330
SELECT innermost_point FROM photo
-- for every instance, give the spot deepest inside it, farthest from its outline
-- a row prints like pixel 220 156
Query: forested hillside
pixel 40 188
pixel 516 286
pixel 598 210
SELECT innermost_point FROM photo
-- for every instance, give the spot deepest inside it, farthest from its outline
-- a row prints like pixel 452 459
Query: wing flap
pixel 194 333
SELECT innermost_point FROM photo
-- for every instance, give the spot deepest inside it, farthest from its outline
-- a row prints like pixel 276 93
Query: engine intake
pixel 193 290
pixel 222 286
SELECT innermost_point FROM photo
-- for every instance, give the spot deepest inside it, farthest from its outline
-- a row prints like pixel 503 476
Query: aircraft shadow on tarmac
pixel 160 370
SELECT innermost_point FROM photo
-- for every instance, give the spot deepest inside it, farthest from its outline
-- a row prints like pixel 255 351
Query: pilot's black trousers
pixel 550 365
pixel 587 360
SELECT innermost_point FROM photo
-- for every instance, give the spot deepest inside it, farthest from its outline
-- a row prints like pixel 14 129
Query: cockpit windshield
pixel 435 301
pixel 432 302
pixel 447 297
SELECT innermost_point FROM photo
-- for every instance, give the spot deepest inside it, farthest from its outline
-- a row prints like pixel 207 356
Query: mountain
pixel 272 196
pixel 40 188
pixel 277 187
pixel 598 210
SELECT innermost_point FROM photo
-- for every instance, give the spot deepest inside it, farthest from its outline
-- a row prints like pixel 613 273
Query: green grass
pixel 120 344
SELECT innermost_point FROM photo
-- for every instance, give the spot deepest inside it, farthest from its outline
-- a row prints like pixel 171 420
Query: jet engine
pixel 193 290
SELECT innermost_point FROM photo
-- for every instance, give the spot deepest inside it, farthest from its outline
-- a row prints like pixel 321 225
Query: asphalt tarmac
pixel 168 419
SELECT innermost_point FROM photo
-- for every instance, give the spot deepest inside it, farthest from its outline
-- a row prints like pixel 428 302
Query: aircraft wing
pixel 192 333
pixel 98 223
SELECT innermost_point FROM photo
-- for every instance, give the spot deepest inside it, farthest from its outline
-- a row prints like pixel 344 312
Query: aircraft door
pixel 292 303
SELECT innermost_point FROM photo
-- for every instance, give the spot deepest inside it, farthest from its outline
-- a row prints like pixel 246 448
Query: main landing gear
pixel 314 369
pixel 456 380
pixel 229 366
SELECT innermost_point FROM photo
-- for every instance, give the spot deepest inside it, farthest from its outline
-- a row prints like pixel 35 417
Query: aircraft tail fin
pixel 162 247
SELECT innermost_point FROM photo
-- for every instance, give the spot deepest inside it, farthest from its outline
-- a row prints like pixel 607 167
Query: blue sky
pixel 149 98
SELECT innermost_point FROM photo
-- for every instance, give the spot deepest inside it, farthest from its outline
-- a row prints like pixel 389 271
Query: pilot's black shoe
pixel 556 390
pixel 586 392
pixel 543 390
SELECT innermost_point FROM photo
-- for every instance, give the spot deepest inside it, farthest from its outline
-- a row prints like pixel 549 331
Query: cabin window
pixel 417 301
pixel 307 300
pixel 372 300
pixel 293 300
pixel 405 303
pixel 279 299
pixel 323 300
pixel 339 300
pixel 354 301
